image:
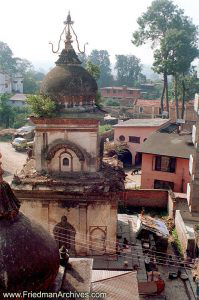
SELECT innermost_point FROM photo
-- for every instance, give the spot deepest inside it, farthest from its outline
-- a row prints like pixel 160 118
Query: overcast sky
pixel 28 25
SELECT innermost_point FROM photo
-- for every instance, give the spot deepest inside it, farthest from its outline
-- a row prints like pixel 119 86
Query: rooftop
pixel 169 144
pixel 145 102
pixel 18 97
pixel 119 88
pixel 142 123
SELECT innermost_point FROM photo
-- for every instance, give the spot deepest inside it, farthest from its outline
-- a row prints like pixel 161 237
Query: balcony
pixel 190 164
pixel 196 103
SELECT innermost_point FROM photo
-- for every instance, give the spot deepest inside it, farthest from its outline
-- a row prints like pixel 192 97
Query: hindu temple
pixel 65 186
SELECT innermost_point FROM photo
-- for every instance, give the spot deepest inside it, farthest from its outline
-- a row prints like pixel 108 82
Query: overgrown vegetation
pixel 12 117
pixel 176 243
pixel 42 106
pixel 104 128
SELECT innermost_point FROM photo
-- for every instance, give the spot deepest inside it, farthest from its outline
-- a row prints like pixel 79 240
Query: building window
pixel 165 164
pixel 65 161
pixel 130 92
pixel 165 185
pixel 6 85
pixel 122 138
pixel 114 91
pixel 134 139
pixel 141 109
pixel 108 91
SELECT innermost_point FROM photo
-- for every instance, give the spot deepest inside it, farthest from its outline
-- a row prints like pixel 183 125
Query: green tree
pixel 93 69
pixel 153 26
pixel 7 61
pixel 128 69
pixel 6 111
pixel 180 46
pixel 42 106
pixel 101 59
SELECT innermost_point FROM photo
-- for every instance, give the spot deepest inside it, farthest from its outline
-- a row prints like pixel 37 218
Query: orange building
pixel 165 160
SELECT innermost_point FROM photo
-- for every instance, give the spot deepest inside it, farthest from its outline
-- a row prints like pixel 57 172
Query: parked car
pixel 21 144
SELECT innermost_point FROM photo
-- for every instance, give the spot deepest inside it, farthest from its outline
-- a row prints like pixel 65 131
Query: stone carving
pixel 65 145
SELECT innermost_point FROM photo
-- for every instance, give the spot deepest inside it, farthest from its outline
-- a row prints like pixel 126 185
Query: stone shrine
pixel 65 186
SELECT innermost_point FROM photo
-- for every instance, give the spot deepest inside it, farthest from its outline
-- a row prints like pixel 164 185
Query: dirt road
pixel 12 161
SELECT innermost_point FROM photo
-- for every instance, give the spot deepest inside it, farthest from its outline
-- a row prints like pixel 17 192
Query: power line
pixel 115 243
pixel 126 256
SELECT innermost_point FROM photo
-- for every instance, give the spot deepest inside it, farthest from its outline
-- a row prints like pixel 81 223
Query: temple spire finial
pixel 68 23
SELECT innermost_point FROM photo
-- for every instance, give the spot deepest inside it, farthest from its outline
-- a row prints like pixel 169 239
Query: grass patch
pixel 176 243
pixel 104 128
pixel 6 138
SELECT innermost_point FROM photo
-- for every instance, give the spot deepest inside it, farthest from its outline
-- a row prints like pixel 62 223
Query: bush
pixel 42 106
pixel 104 128
pixel 112 102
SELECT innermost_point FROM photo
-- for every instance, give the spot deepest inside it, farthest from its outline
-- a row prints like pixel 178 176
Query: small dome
pixel 70 84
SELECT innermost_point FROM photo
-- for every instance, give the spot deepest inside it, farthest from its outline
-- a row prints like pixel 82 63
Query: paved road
pixel 12 161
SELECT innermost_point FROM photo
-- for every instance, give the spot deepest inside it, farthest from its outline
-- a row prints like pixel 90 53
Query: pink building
pixel 165 160
pixel 134 132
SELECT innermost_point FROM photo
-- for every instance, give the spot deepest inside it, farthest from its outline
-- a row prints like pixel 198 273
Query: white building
pixel 11 84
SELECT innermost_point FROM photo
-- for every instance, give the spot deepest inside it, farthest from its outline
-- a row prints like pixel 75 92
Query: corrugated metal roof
pixel 118 288
pixel 105 274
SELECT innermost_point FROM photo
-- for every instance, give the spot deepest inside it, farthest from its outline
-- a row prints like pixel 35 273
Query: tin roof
pixel 124 286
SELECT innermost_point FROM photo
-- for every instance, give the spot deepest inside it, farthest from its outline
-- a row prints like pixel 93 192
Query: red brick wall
pixel 145 198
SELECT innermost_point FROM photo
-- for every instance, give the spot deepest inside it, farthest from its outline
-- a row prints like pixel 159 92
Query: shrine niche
pixel 98 240
pixel 65 156
pixel 64 234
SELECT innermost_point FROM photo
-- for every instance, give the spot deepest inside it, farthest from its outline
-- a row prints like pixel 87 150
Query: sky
pixel 27 26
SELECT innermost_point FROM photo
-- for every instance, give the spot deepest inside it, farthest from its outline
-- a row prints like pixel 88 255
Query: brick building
pixel 124 94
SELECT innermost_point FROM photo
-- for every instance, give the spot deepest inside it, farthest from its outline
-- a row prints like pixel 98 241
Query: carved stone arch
pixel 98 240
pixel 65 145
pixel 64 234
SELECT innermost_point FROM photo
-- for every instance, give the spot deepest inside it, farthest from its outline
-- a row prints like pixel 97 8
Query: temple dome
pixel 70 84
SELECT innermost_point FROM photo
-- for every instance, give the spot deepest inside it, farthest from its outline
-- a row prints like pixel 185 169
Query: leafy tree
pixel 153 26
pixel 101 59
pixel 128 69
pixel 42 106
pixel 93 69
pixel 7 61
pixel 6 111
